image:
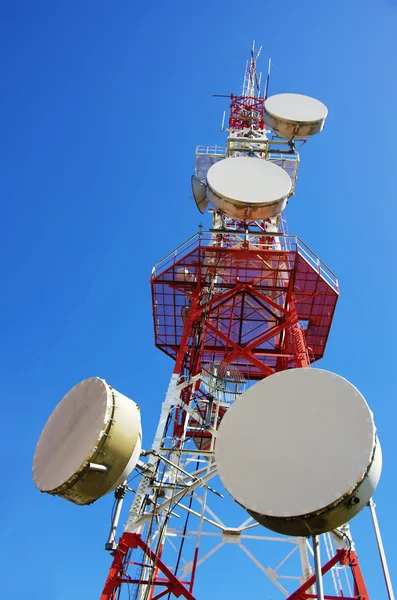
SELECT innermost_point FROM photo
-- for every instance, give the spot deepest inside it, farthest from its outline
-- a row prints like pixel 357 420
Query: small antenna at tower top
pixel 269 66
pixel 251 83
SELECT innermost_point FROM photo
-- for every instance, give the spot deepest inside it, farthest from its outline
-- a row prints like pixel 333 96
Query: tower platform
pixel 247 284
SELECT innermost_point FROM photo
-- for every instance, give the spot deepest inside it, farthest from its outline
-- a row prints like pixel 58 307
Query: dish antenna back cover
pixel 199 194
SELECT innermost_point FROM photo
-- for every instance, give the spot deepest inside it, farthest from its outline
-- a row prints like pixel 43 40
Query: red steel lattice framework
pixel 247 113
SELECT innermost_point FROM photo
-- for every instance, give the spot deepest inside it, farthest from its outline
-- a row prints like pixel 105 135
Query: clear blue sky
pixel 103 104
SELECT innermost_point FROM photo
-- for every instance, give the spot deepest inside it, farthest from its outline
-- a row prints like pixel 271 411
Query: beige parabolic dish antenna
pixel 299 451
pixel 294 116
pixel 89 445
pixel 248 188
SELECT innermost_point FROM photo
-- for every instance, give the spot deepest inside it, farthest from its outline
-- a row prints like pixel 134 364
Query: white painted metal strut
pixel 317 565
pixel 381 549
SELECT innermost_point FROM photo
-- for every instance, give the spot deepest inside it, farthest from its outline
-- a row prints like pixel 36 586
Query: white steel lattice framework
pixel 231 306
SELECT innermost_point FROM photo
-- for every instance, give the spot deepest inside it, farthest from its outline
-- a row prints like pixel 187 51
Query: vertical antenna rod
pixel 317 566
pixel 382 554
pixel 269 65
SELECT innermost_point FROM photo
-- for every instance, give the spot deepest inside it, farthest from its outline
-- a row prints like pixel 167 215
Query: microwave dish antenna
pixel 248 188
pixel 89 445
pixel 294 116
pixel 225 382
pixel 199 194
pixel 314 456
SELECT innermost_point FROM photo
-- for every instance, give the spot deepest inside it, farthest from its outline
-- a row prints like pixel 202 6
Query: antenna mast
pixel 233 305
pixel 249 436
pixel 251 82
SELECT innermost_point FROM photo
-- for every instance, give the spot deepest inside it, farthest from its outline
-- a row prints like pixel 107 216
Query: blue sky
pixel 103 104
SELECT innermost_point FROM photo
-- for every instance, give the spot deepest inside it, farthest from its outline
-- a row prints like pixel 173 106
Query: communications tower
pixel 232 305
pixel 259 460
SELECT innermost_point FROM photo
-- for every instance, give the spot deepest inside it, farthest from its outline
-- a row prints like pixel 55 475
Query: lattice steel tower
pixel 231 306
pixel 244 309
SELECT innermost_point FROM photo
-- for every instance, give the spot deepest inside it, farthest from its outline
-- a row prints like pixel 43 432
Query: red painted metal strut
pixel 343 557
pixel 247 112
pixel 117 575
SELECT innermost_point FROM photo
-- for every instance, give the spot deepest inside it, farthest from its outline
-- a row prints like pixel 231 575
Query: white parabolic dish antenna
pixel 294 116
pixel 299 451
pixel 248 188
pixel 89 445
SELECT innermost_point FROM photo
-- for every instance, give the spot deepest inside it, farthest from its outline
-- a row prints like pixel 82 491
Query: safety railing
pixel 280 155
pixel 211 150
pixel 263 241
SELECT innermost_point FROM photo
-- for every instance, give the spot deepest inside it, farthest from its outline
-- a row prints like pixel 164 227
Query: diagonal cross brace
pixel 344 557
pixel 174 585
pixel 131 541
